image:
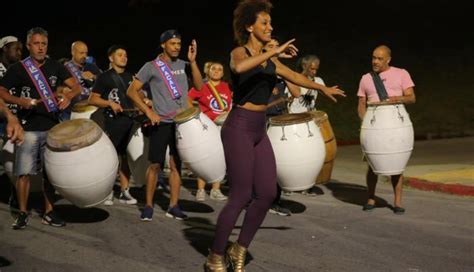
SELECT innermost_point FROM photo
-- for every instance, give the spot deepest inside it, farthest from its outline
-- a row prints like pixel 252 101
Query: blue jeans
pixel 29 155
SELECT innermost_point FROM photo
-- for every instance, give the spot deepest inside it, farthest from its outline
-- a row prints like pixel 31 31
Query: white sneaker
pixel 200 195
pixel 216 194
pixel 126 198
pixel 109 201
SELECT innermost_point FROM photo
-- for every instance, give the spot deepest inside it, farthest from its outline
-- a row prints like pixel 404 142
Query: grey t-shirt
pixel 163 102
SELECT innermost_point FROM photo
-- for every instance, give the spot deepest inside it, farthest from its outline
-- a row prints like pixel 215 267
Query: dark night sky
pixel 433 40
pixel 427 37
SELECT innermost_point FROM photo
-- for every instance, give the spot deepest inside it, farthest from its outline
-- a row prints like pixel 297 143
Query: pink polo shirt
pixel 394 79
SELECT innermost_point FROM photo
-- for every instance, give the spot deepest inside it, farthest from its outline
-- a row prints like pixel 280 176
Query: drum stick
pixel 40 100
pixel 147 122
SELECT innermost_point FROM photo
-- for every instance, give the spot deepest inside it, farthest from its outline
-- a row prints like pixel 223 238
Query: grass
pixel 444 106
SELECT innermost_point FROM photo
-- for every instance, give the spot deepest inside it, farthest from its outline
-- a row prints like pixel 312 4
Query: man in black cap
pixel 168 82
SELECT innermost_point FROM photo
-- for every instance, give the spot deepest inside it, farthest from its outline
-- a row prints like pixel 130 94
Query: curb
pixel 426 185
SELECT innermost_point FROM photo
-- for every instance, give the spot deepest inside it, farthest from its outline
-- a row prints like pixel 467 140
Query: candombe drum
pixel 7 157
pixel 299 150
pixel 81 162
pixel 322 121
pixel 199 145
pixel 137 157
pixel 387 137
pixel 82 109
pixel 219 121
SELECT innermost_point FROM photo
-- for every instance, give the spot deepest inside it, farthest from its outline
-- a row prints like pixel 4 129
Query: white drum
pixel 81 162
pixel 7 156
pixel 82 109
pixel 299 150
pixel 387 137
pixel 199 145
pixel 137 157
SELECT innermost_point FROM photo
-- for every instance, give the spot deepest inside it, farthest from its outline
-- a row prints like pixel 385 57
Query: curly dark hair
pixel 245 15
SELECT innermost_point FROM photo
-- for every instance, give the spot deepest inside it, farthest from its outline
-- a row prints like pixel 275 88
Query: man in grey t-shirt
pixel 168 82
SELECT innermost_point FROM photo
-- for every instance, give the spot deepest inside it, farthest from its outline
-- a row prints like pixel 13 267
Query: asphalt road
pixel 326 232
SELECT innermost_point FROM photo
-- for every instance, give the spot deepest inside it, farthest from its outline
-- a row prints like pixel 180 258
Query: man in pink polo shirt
pixel 399 88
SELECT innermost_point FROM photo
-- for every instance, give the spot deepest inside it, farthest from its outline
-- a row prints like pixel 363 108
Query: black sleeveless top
pixel 256 85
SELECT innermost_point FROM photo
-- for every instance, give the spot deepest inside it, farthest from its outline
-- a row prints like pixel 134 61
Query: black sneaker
pixel 51 218
pixel 12 202
pixel 277 209
pixel 176 213
pixel 21 221
pixel 147 214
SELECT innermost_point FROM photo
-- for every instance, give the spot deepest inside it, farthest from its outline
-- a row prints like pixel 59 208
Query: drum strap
pixel 122 86
pixel 74 70
pixel 216 95
pixel 41 84
pixel 382 93
pixel 168 78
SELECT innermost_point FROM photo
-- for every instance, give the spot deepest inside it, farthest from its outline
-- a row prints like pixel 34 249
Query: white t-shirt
pixel 3 70
pixel 302 104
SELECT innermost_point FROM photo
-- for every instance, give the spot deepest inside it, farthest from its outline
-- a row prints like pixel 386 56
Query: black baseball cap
pixel 169 34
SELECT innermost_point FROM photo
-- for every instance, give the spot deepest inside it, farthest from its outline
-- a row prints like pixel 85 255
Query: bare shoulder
pixel 238 52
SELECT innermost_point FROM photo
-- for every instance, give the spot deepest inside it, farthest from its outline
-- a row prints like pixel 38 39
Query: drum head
pixel 319 116
pixel 83 106
pixel 73 135
pixel 187 115
pixel 221 118
pixel 290 119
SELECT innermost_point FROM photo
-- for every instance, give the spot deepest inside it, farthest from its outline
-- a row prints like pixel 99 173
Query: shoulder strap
pixel 41 84
pixel 216 95
pixel 168 78
pixel 382 93
pixel 118 80
pixel 247 51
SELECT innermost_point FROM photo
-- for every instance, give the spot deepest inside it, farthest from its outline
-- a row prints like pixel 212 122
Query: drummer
pixel 384 83
pixel 277 102
pixel 309 66
pixel 109 92
pixel 84 72
pixel 214 100
pixel 168 82
pixel 38 78
pixel 277 106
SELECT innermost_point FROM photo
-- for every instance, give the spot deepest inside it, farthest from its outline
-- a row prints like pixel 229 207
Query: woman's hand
pixel 287 50
pixel 330 92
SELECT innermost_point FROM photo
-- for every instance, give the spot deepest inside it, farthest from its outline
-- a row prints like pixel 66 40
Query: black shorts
pixel 119 130
pixel 162 136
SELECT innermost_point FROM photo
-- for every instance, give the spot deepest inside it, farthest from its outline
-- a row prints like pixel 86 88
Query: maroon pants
pixel 251 172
